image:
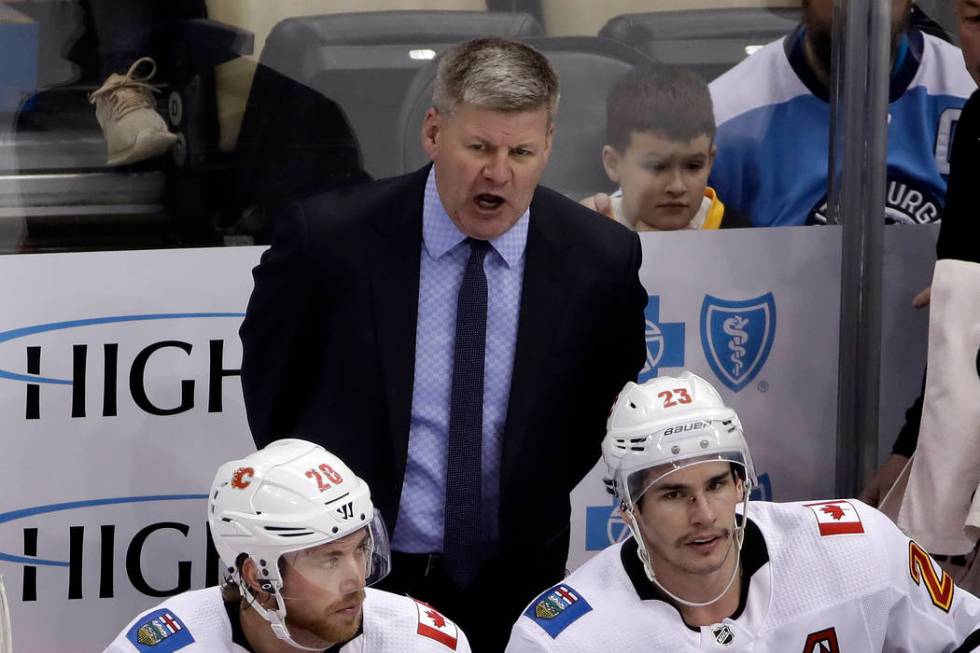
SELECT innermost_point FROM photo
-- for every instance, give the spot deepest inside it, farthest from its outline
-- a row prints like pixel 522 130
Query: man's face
pixel 968 19
pixel 687 520
pixel 663 180
pixel 487 164
pixel 818 17
pixel 323 587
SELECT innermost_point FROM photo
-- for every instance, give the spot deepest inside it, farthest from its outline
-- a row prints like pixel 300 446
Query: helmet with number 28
pixel 291 496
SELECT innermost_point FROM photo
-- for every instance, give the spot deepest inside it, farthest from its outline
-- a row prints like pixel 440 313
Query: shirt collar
pixel 440 234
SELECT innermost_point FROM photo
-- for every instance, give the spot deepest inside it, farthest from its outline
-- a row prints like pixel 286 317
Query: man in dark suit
pixel 470 325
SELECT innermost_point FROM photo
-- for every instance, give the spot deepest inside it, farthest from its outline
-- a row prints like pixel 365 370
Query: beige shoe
pixel 126 111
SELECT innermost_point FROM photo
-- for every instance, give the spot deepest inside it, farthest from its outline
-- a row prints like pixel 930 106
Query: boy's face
pixel 663 180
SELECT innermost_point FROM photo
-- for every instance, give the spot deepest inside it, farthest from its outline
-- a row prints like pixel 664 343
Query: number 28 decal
pixel 326 472
pixel 682 397
pixel 921 567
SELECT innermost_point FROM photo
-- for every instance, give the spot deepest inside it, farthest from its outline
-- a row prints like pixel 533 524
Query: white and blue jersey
pixel 773 118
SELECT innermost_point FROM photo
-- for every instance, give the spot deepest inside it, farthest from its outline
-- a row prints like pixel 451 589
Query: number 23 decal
pixel 328 473
pixel 668 396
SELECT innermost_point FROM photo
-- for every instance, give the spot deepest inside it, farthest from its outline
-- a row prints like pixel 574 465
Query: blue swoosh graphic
pixel 27 378
pixel 21 332
pixel 72 505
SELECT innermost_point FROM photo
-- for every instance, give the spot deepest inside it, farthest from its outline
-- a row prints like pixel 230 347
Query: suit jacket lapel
pixel 394 264
pixel 542 305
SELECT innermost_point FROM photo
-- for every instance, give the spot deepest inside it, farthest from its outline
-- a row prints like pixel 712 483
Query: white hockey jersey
pixel 198 622
pixel 818 577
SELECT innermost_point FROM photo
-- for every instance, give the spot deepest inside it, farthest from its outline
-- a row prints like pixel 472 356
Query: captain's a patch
pixel 557 609
pixel 160 631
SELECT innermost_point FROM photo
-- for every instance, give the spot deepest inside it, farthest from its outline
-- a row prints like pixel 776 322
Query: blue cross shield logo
pixel 665 341
pixel 737 336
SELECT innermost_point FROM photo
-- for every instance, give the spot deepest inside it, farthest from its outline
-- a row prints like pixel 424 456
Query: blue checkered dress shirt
pixel 420 524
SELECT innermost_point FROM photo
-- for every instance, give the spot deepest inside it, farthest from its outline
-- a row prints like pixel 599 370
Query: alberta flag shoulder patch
pixel 160 631
pixel 557 609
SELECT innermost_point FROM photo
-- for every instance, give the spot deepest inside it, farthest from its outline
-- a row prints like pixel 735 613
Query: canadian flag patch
pixel 836 517
pixel 434 625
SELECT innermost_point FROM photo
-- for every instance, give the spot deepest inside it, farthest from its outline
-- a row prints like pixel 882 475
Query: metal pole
pixel 860 108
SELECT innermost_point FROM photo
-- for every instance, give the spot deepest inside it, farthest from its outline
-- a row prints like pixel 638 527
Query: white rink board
pixel 59 531
pixel 157 468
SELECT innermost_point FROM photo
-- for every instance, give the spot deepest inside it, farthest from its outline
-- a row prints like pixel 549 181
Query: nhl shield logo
pixel 737 336
pixel 723 634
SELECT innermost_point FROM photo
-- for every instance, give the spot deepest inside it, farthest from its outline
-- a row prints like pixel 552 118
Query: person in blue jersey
pixel 773 117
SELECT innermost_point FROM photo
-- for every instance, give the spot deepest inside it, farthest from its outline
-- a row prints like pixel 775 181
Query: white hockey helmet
pixel 288 497
pixel 666 424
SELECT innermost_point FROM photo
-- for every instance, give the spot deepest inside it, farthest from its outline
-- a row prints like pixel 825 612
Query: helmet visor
pixel 344 565
pixel 639 481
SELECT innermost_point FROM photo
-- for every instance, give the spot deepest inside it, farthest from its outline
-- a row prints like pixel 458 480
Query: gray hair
pixel 495 73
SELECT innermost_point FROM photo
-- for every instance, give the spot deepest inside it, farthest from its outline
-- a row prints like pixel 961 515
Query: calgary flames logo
pixel 241 479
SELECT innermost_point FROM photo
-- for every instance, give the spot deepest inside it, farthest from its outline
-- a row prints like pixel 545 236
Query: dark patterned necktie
pixel 463 532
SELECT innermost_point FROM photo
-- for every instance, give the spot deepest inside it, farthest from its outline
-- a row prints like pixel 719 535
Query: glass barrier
pixel 161 124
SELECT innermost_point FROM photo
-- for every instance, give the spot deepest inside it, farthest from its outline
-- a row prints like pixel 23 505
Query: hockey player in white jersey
pixel 704 570
pixel 300 540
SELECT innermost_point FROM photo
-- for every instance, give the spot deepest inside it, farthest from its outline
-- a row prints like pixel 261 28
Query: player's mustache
pixel 722 534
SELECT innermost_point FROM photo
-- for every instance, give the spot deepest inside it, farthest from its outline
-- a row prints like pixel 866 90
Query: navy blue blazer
pixel 329 349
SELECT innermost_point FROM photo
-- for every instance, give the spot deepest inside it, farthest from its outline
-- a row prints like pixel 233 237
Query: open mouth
pixel 705 542
pixel 488 201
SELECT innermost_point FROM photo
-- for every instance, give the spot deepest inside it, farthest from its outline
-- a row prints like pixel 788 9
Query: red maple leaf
pixel 438 620
pixel 834 511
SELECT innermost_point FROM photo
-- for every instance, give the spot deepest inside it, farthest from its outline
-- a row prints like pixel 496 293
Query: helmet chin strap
pixel 277 617
pixel 644 556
